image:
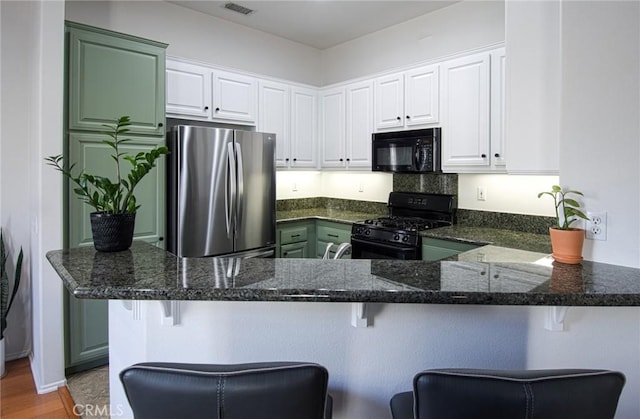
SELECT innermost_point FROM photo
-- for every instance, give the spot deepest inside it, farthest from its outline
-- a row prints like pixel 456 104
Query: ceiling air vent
pixel 237 8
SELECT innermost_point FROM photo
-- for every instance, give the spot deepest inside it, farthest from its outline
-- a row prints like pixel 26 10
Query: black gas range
pixel 397 236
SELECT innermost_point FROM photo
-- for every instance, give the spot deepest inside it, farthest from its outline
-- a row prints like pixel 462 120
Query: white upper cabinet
pixel 346 124
pixel 498 71
pixel 472 113
pixel 332 128
pixel 274 104
pixel 304 126
pixel 389 101
pixel 408 99
pixel 200 92
pixel 235 97
pixel 359 124
pixel 465 112
pixel 188 89
pixel 422 96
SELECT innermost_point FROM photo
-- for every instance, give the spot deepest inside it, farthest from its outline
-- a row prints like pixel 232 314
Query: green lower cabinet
pixel 295 239
pixel 437 249
pixel 87 331
pixel 330 232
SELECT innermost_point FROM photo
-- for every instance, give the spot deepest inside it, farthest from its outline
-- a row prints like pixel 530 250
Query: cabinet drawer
pixel 333 235
pixel 293 235
pixel 295 250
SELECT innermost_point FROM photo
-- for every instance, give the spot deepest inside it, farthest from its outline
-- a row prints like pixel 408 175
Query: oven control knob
pixel 405 239
pixel 367 231
pixel 396 237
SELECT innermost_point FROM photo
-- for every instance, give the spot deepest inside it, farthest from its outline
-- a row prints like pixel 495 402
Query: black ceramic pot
pixel 112 232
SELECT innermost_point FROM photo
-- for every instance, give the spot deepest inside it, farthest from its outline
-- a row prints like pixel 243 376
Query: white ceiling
pixel 318 23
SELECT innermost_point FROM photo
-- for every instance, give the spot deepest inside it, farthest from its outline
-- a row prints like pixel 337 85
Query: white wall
pixel 460 27
pixel 201 37
pixel 31 128
pixel 16 136
pixel 600 147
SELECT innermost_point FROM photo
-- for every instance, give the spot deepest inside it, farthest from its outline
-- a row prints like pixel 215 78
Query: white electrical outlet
pixel 597 225
pixel 482 193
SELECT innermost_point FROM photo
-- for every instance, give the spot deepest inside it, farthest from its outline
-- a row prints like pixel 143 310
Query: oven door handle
pixel 380 244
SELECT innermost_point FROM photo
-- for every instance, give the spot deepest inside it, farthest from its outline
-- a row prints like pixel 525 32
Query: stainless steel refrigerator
pixel 221 192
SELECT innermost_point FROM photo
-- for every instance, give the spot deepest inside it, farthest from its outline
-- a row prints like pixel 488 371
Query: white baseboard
pixel 17 355
pixel 50 387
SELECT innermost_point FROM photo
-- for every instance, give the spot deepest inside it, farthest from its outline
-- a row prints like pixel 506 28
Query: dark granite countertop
pixel 148 273
pixel 460 232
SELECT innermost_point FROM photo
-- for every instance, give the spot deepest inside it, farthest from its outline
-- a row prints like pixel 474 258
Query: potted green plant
pixel 113 221
pixel 7 294
pixel 566 241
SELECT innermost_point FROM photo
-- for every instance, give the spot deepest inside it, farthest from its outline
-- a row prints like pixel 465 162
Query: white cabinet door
pixel 303 128
pixel 274 110
pixel 235 97
pixel 465 112
pixel 359 124
pixel 421 96
pixel 188 89
pixel 332 128
pixel 389 101
pixel 498 63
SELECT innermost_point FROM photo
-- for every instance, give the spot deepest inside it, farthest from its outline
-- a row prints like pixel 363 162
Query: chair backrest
pixel 534 394
pixel 275 390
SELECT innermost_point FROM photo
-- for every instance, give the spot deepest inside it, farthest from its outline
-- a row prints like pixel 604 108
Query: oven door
pixel 367 249
pixel 394 156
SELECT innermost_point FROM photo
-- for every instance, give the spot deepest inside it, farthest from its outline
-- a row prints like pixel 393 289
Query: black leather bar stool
pixel 267 390
pixel 535 394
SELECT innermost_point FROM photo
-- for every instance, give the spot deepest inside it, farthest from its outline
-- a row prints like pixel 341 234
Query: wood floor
pixel 19 399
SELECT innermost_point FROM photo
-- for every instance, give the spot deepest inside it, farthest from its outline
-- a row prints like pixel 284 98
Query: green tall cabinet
pixel 108 75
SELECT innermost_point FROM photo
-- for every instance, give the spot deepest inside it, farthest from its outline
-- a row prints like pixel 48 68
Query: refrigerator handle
pixel 230 195
pixel 240 187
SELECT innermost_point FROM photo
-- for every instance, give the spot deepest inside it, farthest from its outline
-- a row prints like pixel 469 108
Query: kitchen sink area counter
pixel 146 272
pixel 328 214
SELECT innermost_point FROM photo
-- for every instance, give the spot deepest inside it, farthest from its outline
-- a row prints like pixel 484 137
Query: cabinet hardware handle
pixel 496 155
pixel 160 239
pixel 398 118
pixel 206 108
pixel 217 109
pixel 341 159
pixel 482 273
pixel 295 159
pixel 295 235
pixel 496 276
pixel 287 159
pixel 484 156
pixel 332 235
pixel 408 117
pixel 160 125
pixel 348 159
pixel 286 253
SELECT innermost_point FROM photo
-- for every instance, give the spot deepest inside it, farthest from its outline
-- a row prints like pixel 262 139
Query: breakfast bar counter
pixel 146 272
pixel 491 307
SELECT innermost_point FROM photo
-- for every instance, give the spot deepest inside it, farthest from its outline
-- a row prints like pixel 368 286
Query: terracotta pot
pixel 567 245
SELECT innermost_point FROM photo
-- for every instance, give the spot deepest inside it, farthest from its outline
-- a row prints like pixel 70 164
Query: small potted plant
pixel 7 294
pixel 566 241
pixel 113 221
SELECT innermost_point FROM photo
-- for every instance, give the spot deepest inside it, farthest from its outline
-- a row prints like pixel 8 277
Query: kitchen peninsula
pixel 470 313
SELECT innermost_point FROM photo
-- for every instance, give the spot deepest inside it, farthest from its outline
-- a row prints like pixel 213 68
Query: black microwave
pixel 415 151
